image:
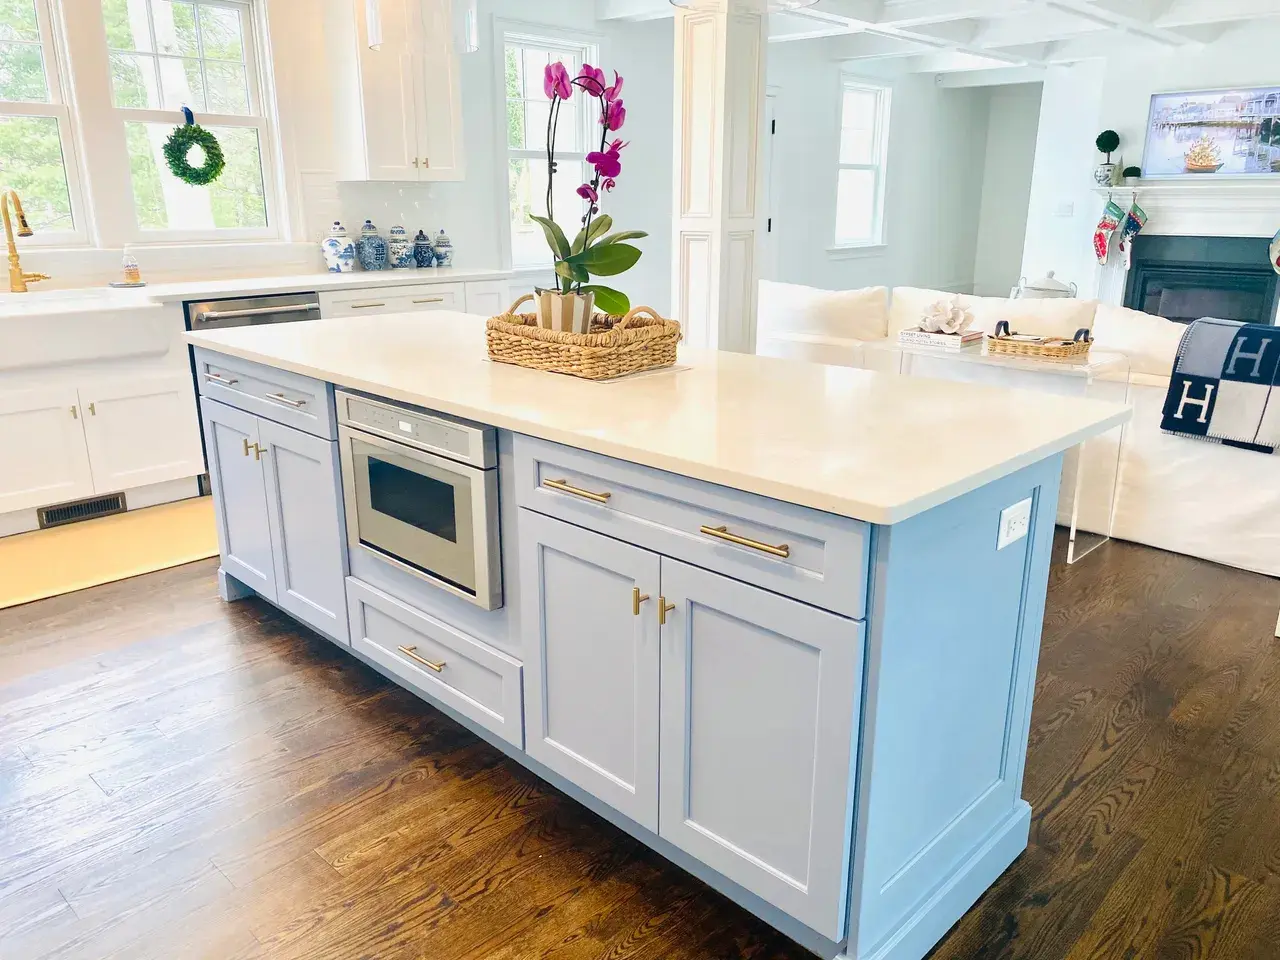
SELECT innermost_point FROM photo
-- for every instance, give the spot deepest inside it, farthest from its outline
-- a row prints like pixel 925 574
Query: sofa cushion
pixel 1044 318
pixel 1150 342
pixel 787 308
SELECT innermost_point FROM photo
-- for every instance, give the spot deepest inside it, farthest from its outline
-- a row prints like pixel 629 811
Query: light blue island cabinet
pixel 806 679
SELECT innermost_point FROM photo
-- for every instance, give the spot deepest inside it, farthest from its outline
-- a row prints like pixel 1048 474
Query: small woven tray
pixel 1043 348
pixel 616 346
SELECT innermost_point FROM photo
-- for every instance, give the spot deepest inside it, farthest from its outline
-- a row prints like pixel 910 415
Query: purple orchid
pixel 609 183
pixel 614 115
pixel 588 192
pixel 556 82
pixel 613 93
pixel 608 163
pixel 591 80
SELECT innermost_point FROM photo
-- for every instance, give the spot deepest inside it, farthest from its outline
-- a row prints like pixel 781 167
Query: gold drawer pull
pixel 564 487
pixel 663 609
pixel 246 446
pixel 281 398
pixel 219 378
pixel 409 652
pixel 366 306
pixel 722 533
pixel 430 300
pixel 637 598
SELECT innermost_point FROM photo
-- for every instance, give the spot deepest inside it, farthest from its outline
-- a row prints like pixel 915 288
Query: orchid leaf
pixel 606 260
pixel 572 271
pixel 623 235
pixel 598 226
pixel 556 239
pixel 611 301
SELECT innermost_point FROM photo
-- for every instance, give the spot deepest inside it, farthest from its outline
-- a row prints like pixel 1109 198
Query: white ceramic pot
pixel 566 312
pixel 1104 174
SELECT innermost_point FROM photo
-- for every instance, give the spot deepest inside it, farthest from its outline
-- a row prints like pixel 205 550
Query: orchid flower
pixel 613 93
pixel 608 163
pixel 556 82
pixel 588 192
pixel 614 115
pixel 591 80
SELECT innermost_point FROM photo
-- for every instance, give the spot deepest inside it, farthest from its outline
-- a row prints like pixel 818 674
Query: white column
pixel 719 121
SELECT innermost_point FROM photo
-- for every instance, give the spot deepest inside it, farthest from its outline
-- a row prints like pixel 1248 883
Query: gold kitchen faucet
pixel 18 280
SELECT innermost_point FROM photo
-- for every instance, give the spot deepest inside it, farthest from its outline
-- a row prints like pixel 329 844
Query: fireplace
pixel 1186 278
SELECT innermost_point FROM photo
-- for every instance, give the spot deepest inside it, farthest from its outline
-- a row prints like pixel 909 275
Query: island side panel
pixel 954 639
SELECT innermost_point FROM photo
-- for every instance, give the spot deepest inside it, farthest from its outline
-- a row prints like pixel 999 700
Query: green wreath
pixel 179 144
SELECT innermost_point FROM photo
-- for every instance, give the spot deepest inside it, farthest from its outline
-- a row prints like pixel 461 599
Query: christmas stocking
pixel 1134 221
pixel 1112 215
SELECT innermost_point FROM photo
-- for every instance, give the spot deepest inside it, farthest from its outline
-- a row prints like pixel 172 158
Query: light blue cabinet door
pixel 304 504
pixel 239 496
pixel 591 661
pixel 760 705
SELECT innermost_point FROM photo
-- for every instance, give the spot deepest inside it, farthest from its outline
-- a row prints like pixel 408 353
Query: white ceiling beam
pixel 904 14
pixel 874 46
pixel 1190 13
pixel 634 10
pixel 951 61
pixel 994 77
pixel 1135 17
pixel 1035 27
pixel 952 31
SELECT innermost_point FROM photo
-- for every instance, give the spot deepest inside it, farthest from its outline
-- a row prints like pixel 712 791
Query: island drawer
pixel 796 551
pixel 278 395
pixel 438 661
pixel 394 299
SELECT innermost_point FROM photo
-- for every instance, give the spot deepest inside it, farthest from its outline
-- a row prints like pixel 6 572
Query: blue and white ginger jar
pixel 339 251
pixel 444 250
pixel 372 248
pixel 399 248
pixel 423 253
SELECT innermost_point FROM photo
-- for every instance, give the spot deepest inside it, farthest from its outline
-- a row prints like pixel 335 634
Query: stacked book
pixel 942 341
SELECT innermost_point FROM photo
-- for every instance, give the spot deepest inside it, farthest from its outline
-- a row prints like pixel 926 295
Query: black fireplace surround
pixel 1186 278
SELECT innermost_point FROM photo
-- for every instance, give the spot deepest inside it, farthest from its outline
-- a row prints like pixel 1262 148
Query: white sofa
pixel 1188 496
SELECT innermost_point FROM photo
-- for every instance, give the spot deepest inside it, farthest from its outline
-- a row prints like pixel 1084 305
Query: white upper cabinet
pixel 399 107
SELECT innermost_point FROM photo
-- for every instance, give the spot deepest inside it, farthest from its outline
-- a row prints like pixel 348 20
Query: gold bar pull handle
pixel 258 452
pixel 93 409
pixel 430 300
pixel 564 486
pixel 75 414
pixel 246 446
pixel 219 378
pixel 722 533
pixel 412 655
pixel 663 609
pixel 637 598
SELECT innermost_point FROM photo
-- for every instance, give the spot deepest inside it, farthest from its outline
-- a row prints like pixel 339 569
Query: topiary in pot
pixel 1104 174
pixel 1108 142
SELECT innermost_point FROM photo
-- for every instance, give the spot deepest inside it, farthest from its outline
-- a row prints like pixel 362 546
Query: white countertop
pixel 871 446
pixel 90 299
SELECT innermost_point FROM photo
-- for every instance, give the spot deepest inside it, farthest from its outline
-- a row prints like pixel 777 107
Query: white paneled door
pixel 240 495
pixel 43 458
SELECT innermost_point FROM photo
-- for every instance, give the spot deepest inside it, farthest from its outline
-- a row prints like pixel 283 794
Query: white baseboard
pixel 153 494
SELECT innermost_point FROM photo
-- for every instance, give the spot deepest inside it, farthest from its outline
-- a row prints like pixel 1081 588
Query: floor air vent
pixel 78 510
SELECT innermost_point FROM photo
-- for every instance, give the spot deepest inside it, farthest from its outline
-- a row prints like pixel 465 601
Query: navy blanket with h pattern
pixel 1225 385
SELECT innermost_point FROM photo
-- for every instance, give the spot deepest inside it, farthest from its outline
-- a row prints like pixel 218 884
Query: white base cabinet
pixel 102 436
pixel 45 457
pixel 278 506
pixel 720 715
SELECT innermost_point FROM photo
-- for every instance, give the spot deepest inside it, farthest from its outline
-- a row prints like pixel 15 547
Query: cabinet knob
pixel 75 414
pixel 637 598
pixel 415 161
pixel 426 162
pixel 663 609
pixel 246 446
pixel 258 452
pixel 93 410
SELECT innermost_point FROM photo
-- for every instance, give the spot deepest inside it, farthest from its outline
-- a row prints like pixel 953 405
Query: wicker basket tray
pixel 616 346
pixel 1041 348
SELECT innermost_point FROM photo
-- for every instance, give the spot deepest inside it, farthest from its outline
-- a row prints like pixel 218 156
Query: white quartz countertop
pixel 875 447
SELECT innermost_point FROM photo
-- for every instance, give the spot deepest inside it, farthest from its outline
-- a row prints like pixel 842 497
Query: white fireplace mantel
pixel 1236 207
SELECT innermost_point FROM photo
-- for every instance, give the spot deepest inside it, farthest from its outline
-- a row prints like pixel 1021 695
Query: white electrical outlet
pixel 1015 523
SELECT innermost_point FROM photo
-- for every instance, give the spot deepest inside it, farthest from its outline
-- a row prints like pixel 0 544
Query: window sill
pixel 855 251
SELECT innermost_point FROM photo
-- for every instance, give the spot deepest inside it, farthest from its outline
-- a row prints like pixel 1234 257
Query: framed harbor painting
pixel 1217 133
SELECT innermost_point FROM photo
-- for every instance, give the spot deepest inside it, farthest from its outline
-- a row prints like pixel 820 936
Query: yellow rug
pixel 46 563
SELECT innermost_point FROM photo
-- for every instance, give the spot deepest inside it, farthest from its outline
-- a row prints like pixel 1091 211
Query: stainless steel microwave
pixel 421 494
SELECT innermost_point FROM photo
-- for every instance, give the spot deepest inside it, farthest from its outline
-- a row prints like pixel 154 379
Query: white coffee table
pixel 1098 375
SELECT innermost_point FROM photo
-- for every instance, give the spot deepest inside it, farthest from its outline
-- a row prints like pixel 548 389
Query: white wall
pixel 1006 187
pixel 1083 100
pixel 471 211
pixel 937 149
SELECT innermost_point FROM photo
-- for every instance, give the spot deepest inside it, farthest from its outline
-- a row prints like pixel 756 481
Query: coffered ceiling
pixel 942 36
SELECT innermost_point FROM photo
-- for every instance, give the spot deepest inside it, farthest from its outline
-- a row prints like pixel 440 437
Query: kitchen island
pixel 780 621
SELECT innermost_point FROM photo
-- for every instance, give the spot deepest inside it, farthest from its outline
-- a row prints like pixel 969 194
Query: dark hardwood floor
pixel 185 778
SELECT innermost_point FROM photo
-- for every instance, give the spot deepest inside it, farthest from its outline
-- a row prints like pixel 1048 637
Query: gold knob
pixel 258 452
pixel 246 446
pixel 663 609
pixel 637 598
pixel 75 414
pixel 93 410
pixel 426 162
